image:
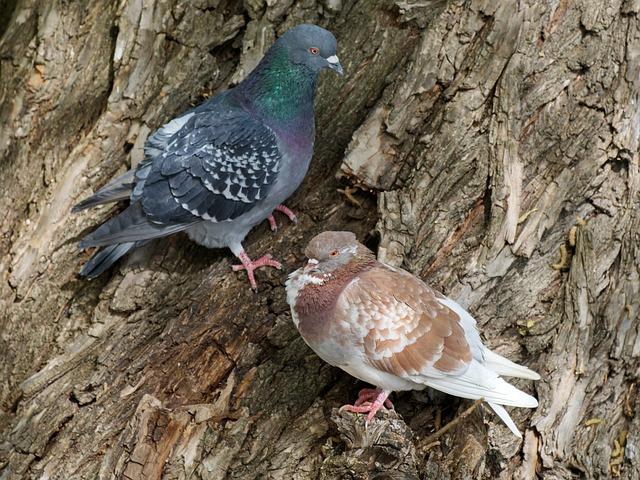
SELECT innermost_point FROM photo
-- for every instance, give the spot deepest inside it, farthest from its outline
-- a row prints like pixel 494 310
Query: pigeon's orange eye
pixel 334 253
pixel 314 51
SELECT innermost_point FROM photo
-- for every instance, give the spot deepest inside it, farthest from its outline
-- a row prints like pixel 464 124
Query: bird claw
pixel 272 223
pixel 369 408
pixel 364 404
pixel 251 265
pixel 281 208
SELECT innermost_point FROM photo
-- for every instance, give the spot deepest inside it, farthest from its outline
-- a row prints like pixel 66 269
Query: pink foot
pixel 250 265
pixel 272 223
pixel 370 408
pixel 368 395
pixel 286 211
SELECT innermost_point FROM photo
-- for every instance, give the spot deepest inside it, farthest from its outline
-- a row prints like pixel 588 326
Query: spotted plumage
pixel 215 168
pixel 226 165
pixel 387 327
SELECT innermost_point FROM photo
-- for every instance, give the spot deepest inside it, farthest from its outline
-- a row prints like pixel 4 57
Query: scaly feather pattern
pixel 219 169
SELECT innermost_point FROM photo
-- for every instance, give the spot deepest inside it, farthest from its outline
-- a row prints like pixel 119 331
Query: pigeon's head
pixel 311 46
pixel 329 251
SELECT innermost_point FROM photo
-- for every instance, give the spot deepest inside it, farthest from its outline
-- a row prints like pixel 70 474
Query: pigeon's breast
pixel 313 298
pixel 314 324
pixel 296 158
pixel 312 303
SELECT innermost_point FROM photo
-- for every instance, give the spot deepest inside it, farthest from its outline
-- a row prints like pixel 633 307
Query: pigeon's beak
pixel 334 64
pixel 311 264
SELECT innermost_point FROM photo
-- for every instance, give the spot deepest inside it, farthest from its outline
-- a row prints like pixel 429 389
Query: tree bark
pixel 494 147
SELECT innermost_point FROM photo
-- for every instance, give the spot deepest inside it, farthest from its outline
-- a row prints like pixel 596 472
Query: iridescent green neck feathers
pixel 279 90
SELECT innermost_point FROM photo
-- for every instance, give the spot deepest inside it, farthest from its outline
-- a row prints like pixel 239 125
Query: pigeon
pixel 219 169
pixel 387 327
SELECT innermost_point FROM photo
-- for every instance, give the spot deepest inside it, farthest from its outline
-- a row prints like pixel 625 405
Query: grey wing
pixel 131 225
pixel 129 185
pixel 157 142
pixel 216 168
pixel 117 189
pixel 156 145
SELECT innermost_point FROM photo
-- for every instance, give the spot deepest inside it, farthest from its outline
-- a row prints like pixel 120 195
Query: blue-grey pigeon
pixel 226 165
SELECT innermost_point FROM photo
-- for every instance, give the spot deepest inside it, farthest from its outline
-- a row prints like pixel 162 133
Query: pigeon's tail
pixel 105 257
pixel 479 381
pixel 507 368
pixel 506 418
pixel 131 225
pixel 117 189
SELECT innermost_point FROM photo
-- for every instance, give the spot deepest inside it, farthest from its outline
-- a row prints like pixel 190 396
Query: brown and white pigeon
pixel 387 327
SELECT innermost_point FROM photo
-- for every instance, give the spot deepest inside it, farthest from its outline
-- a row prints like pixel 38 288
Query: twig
pixel 348 193
pixel 433 437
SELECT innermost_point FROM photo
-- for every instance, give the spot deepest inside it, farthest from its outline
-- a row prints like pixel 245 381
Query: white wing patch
pixel 157 142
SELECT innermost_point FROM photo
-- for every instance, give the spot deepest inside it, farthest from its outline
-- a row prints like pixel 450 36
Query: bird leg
pixel 370 408
pixel 368 395
pixel 251 265
pixel 286 211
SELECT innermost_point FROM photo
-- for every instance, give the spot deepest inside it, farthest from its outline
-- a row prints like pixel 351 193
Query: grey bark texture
pixel 494 147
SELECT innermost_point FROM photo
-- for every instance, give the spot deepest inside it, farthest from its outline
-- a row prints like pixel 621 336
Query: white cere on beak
pixel 310 265
pixel 334 64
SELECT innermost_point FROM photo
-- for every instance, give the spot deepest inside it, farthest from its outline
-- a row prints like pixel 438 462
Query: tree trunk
pixel 495 150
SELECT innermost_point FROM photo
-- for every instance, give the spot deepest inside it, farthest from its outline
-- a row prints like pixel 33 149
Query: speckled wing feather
pixel 216 167
pixel 406 329
pixel 403 327
pixel 131 184
pixel 218 162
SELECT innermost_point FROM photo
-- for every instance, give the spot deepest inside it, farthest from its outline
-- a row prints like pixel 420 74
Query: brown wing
pixel 403 326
